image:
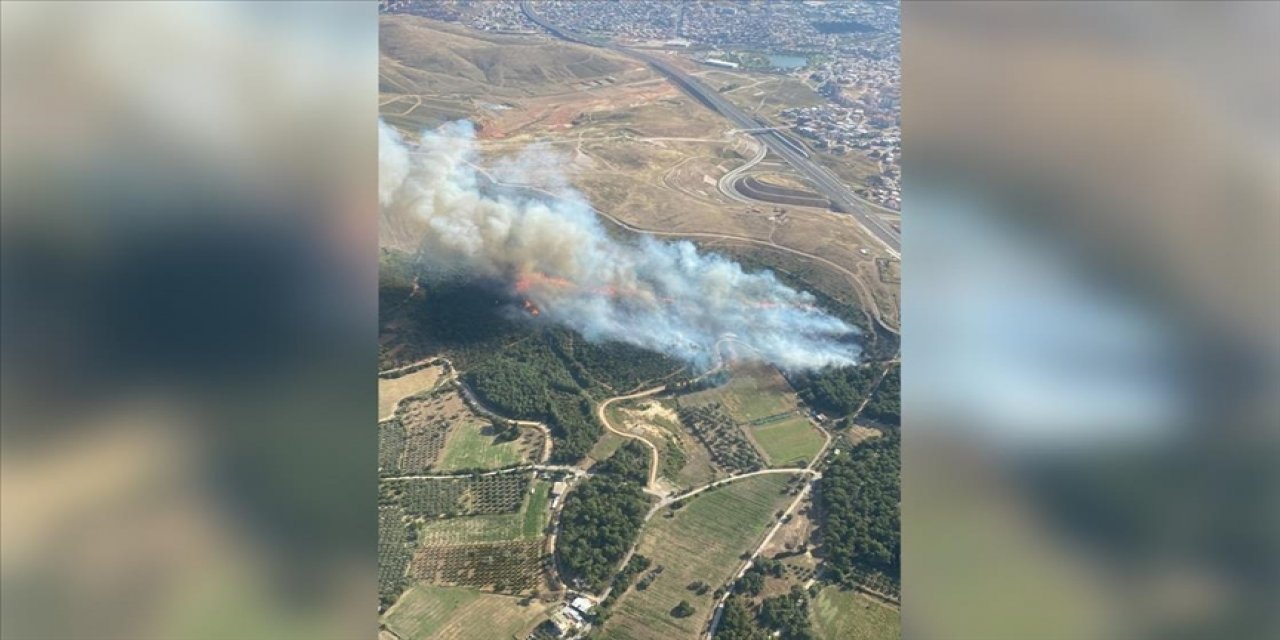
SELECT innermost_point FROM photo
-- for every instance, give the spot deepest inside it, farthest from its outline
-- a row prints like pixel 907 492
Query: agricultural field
pixel 437 431
pixel 757 392
pixel 412 440
pixel 496 541
pixel 463 496
pixel 511 567
pixel 789 441
pixel 451 613
pixel 476 443
pixel 727 446
pixel 849 615
pixel 701 542
pixel 391 440
pixel 393 390
pixel 394 551
pixel 755 412
pixel 696 468
pixel 526 524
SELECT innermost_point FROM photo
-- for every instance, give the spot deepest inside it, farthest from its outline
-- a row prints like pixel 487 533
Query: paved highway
pixel 842 197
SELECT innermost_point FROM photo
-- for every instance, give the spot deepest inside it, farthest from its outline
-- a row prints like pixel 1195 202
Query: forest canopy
pixel 602 517
pixel 859 495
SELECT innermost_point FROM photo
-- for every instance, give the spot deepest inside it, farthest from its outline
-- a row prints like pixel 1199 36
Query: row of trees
pixel 859 494
pixel 602 517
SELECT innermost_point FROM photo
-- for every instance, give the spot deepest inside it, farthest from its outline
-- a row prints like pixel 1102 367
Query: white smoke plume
pixel 556 255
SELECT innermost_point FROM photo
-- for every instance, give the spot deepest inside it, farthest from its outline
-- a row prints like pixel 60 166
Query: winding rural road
pixel 653 449
pixel 602 414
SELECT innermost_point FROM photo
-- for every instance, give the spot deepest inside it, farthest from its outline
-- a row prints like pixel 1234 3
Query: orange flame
pixel 531 280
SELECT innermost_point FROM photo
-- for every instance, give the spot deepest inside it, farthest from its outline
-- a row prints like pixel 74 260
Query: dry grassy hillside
pixel 424 56
pixel 641 151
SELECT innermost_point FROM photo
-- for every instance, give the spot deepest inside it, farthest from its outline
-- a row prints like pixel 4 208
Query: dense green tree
pixel 885 405
pixel 751 582
pixel 511 388
pixel 682 610
pixel 630 462
pixel 840 391
pixel 601 519
pixel 737 623
pixel 788 615
pixel 859 495
pixel 836 390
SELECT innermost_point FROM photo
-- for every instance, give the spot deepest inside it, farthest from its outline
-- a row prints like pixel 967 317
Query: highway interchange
pixel 843 198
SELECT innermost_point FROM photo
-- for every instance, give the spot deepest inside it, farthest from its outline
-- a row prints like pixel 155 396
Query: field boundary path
pixel 718 610
pixel 672 499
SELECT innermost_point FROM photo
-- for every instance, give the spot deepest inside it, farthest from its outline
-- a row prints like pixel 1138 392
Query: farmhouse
pixel 565 621
pixel 583 604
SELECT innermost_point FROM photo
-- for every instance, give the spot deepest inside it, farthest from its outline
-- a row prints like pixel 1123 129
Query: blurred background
pixel 1090 305
pixel 188 320
pixel 1091 313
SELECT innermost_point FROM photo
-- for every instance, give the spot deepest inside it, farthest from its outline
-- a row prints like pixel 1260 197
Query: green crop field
pixel 451 613
pixel 849 615
pixel 473 444
pixel 527 523
pixel 788 441
pixel 703 541
pixel 754 392
pixel 535 511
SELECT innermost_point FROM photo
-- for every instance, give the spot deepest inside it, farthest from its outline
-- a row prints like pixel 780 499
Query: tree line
pixel 859 494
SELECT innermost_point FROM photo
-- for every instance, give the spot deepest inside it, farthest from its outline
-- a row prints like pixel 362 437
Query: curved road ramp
pixel 752 187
